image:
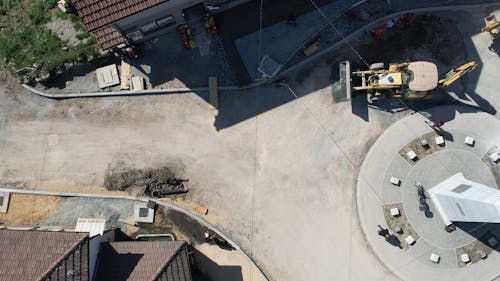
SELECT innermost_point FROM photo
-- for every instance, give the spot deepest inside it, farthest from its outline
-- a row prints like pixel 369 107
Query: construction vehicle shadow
pixel 424 39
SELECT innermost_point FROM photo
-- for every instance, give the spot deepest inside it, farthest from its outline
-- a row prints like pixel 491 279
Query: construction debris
pixel 151 182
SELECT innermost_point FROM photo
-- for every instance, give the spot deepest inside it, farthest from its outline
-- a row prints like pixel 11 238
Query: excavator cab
pixel 492 25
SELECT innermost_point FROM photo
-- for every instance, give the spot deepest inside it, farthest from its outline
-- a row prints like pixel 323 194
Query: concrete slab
pixel 4 202
pixel 142 213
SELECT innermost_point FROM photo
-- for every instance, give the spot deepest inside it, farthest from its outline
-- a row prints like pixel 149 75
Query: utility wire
pixel 340 33
pixel 259 56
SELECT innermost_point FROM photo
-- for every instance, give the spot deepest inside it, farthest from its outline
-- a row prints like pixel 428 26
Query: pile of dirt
pixel 426 37
pixel 136 178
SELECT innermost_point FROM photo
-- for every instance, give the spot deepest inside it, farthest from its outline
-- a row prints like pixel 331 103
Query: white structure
pixel 440 140
pixel 465 258
pixel 411 155
pixel 395 181
pixel 459 199
pixel 394 212
pixel 469 141
pixel 410 240
pixel 435 258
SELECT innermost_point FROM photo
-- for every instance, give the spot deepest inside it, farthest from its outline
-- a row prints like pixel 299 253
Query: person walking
pixel 435 125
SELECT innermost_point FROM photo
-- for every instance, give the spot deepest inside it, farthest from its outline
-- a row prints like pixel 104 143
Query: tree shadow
pixel 207 269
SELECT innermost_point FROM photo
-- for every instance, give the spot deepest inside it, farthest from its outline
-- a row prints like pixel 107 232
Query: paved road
pixel 281 183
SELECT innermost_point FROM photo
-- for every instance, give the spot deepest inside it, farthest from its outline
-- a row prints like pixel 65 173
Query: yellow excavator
pixel 409 80
pixel 492 26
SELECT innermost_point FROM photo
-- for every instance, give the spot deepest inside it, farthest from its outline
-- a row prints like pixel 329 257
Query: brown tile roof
pixel 98 13
pixel 28 255
pixel 143 260
pixel 108 37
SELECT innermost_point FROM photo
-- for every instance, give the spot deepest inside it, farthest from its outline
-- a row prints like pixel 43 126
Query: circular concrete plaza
pixel 390 157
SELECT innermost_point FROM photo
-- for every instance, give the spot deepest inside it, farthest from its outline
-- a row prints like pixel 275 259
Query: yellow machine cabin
pixel 409 80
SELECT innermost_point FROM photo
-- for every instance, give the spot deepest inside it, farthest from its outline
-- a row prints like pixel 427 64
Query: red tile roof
pixel 143 260
pixel 29 255
pixel 98 13
pixel 108 37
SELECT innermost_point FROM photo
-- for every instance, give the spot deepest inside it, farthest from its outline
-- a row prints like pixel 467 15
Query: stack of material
pixel 125 75
pixel 107 76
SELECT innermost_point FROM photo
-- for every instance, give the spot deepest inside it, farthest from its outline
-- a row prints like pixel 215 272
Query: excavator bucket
pixel 345 81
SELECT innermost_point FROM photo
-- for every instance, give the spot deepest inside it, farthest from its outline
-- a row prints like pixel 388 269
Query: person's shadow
pixel 394 241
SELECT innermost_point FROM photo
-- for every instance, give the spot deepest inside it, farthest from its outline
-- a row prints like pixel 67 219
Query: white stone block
pixel 395 212
pixel 411 155
pixel 410 240
pixel 424 142
pixel 434 258
pixel 465 258
pixel 440 140
pixel 469 140
pixel 494 157
pixel 395 181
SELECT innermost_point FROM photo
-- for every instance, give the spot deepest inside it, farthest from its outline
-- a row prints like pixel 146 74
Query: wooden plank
pixel 212 88
pixel 125 76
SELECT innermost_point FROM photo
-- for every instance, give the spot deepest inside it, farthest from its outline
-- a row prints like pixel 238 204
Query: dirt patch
pixel 475 248
pixel 420 150
pixel 64 30
pixel 136 179
pixel 401 221
pixel 494 168
pixel 427 37
pixel 29 209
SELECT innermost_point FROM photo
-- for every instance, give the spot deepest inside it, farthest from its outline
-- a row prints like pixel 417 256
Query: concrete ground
pixel 281 182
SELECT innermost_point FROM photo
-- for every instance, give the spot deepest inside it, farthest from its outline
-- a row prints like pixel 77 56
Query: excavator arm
pixel 455 73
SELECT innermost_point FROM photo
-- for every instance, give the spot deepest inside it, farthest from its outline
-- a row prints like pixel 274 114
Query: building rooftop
pixel 144 260
pixel 31 255
pixel 97 13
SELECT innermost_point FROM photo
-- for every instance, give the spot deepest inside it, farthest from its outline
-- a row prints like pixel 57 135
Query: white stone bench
pixel 424 143
pixel 469 141
pixel 494 157
pixel 440 140
pixel 394 212
pixel 410 240
pixel 395 181
pixel 411 155
pixel 465 258
pixel 434 258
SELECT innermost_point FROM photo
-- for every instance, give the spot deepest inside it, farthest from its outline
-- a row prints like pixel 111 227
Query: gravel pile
pixel 77 207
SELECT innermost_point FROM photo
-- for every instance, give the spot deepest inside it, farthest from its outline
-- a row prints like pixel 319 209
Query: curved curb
pixel 144 199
